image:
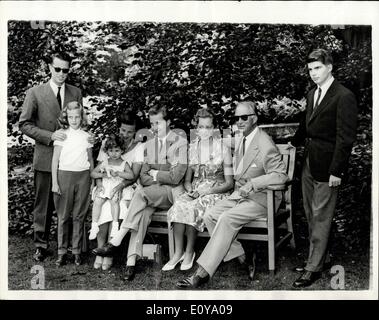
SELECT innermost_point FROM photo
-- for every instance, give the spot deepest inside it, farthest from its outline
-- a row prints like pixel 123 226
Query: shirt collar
pixel 326 85
pixel 249 137
pixel 55 87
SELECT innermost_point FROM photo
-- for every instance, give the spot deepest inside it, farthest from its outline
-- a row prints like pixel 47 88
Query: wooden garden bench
pixel 263 229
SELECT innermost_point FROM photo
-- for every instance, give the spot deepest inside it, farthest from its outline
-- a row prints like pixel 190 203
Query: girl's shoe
pixel 188 266
pixel 168 266
pixel 93 232
pixel 98 262
pixel 107 263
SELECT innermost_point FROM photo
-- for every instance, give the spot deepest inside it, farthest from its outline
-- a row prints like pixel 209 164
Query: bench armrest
pixel 279 187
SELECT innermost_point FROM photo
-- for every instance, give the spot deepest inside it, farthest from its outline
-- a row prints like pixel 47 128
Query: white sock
pixel 131 260
pixel 115 225
pixel 116 240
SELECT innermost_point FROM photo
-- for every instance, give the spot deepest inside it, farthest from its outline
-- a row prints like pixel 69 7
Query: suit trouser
pixel 144 203
pixel 43 208
pixel 73 201
pixel 224 221
pixel 319 201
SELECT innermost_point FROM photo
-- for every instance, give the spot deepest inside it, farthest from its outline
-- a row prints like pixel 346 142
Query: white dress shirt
pixel 55 90
pixel 324 89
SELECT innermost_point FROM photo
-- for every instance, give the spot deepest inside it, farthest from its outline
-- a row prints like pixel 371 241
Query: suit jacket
pixel 262 165
pixel 38 120
pixel 329 131
pixel 171 164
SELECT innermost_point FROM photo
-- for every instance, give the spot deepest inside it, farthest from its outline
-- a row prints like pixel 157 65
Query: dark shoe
pixel 78 259
pixel 249 265
pixel 61 260
pixel 307 279
pixel 107 251
pixel 40 254
pixel 129 273
pixel 192 282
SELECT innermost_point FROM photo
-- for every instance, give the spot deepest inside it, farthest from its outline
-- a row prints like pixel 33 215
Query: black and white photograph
pixel 188 150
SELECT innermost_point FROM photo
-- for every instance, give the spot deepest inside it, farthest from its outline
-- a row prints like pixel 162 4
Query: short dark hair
pixel 320 55
pixel 62 56
pixel 204 113
pixel 158 109
pixel 114 141
pixel 129 117
pixel 73 105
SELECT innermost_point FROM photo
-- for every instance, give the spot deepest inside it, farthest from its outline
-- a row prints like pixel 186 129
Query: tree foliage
pixel 121 65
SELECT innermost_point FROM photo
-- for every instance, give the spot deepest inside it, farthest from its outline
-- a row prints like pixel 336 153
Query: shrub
pixel 121 65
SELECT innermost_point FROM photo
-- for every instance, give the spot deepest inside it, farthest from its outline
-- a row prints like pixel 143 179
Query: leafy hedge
pixel 187 65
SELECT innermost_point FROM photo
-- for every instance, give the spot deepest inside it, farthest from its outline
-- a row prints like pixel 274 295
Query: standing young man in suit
pixel 161 176
pixel 329 130
pixel 38 120
pixel 257 163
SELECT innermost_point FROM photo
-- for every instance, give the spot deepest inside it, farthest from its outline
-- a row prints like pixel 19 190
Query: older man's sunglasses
pixel 57 69
pixel 243 117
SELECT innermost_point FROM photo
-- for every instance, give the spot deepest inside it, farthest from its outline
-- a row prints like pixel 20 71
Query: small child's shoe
pixel 94 231
pixel 114 229
pixel 98 262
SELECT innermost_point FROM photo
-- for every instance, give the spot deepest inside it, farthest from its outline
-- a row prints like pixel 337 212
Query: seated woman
pixel 128 123
pixel 208 179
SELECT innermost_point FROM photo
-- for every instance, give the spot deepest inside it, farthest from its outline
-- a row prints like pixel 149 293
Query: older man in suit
pixel 329 130
pixel 257 164
pixel 38 120
pixel 161 176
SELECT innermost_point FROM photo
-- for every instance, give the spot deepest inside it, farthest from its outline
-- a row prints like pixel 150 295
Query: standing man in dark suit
pixel 38 120
pixel 329 130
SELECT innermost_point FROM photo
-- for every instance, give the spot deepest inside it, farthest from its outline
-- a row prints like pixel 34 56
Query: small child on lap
pixel 109 174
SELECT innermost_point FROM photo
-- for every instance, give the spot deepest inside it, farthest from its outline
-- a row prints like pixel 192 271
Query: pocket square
pixel 253 165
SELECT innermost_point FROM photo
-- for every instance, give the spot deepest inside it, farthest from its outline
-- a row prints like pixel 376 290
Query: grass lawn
pixel 230 275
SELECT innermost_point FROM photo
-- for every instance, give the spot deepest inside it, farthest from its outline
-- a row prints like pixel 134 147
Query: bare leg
pixel 191 233
pixel 96 211
pixel 115 210
pixel 96 208
pixel 179 229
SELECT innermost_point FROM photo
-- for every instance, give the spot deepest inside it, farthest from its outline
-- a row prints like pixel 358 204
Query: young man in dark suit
pixel 38 120
pixel 329 130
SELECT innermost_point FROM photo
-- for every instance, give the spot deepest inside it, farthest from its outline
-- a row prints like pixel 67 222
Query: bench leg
pixel 270 230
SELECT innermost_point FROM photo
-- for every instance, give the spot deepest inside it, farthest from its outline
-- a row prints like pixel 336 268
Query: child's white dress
pixel 135 155
pixel 110 181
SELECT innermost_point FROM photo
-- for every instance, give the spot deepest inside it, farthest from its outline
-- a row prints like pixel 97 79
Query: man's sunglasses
pixel 57 69
pixel 243 117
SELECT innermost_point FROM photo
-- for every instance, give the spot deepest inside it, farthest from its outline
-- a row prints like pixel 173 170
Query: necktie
pixel 318 99
pixel 59 97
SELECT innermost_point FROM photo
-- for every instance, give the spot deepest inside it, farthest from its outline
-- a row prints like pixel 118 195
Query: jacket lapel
pixel 310 104
pixel 51 100
pixel 248 158
pixel 325 101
